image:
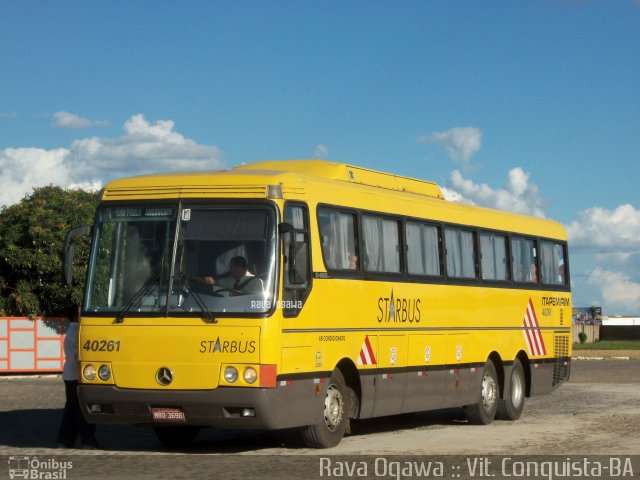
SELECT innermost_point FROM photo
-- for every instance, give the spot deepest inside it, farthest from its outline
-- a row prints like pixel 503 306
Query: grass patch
pixel 609 345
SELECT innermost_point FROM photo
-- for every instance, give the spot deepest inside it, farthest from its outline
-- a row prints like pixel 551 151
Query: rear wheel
pixel 510 407
pixel 177 436
pixel 331 428
pixel 484 410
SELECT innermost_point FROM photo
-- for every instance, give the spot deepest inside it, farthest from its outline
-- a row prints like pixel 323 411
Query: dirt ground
pixel 596 413
pixel 587 354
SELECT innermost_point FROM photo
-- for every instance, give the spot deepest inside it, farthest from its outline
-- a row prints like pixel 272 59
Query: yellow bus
pixel 308 294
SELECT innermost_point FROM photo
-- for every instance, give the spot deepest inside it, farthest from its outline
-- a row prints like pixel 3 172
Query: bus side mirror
pixel 68 250
pixel 284 228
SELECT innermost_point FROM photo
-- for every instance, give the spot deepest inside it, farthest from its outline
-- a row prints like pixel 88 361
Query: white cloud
pixel 614 236
pixel 72 121
pixel 145 147
pixel 21 169
pixel 92 186
pixel 321 151
pixel 517 196
pixel 620 293
pixel 604 243
pixel 453 196
pixel 460 143
pixel 605 230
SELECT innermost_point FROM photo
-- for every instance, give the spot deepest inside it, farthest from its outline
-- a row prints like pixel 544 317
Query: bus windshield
pixel 220 260
pixel 225 260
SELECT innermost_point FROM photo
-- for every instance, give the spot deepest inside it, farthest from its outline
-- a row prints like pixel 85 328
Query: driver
pixel 238 279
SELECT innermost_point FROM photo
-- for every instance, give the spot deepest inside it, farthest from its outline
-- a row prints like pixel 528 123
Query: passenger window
pixel 525 264
pixel 460 253
pixel 423 252
pixel 338 237
pixel 552 263
pixel 381 244
pixel 493 251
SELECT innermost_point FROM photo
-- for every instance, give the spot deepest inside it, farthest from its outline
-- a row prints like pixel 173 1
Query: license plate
pixel 168 415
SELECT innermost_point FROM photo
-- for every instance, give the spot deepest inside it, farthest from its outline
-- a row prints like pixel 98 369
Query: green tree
pixel 32 235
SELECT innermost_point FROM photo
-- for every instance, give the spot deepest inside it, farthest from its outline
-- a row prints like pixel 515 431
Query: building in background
pixel 587 315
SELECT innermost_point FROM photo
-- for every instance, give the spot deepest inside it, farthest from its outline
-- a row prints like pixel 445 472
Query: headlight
pixel 104 372
pixel 89 372
pixel 230 374
pixel 250 375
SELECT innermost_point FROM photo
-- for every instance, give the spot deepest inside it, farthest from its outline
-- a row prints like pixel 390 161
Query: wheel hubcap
pixel 333 408
pixel 489 392
pixel 516 389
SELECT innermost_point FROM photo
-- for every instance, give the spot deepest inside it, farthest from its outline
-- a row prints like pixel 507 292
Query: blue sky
pixel 531 106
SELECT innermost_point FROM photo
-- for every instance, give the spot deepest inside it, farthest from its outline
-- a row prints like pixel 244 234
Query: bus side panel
pixel 368 390
pixel 462 376
pixel 425 385
pixel 390 385
pixel 541 377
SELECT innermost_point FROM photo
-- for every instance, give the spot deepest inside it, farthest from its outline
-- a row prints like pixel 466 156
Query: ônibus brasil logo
pixel 33 467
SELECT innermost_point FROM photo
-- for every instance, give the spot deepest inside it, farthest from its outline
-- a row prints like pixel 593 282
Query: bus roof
pixel 252 180
pixel 349 173
pixel 319 181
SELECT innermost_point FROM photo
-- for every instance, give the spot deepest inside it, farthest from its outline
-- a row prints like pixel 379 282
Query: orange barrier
pixel 30 346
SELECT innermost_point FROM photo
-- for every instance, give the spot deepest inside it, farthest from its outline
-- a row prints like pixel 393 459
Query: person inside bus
pixel 353 262
pixel 533 276
pixel 238 279
pixel 529 275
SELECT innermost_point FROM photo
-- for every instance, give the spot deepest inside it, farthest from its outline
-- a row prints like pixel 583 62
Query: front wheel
pixel 510 407
pixel 330 429
pixel 484 410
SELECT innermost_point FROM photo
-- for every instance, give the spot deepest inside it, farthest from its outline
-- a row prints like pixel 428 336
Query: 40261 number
pixel 101 346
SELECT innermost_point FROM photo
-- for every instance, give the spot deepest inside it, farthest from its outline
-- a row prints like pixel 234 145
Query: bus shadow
pixel 221 441
pixel 33 428
pixel 216 441
pixel 38 428
pixel 408 421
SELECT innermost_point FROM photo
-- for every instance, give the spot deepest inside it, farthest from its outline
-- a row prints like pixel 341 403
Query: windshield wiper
pixel 207 314
pixel 138 295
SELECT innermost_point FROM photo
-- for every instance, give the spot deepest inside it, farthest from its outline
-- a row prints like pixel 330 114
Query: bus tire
pixel 484 410
pixel 174 436
pixel 331 428
pixel 510 407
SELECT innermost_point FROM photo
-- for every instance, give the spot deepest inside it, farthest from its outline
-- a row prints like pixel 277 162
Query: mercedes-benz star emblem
pixel 164 376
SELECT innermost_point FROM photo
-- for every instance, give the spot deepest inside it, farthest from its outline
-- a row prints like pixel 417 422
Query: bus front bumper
pixel 299 403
